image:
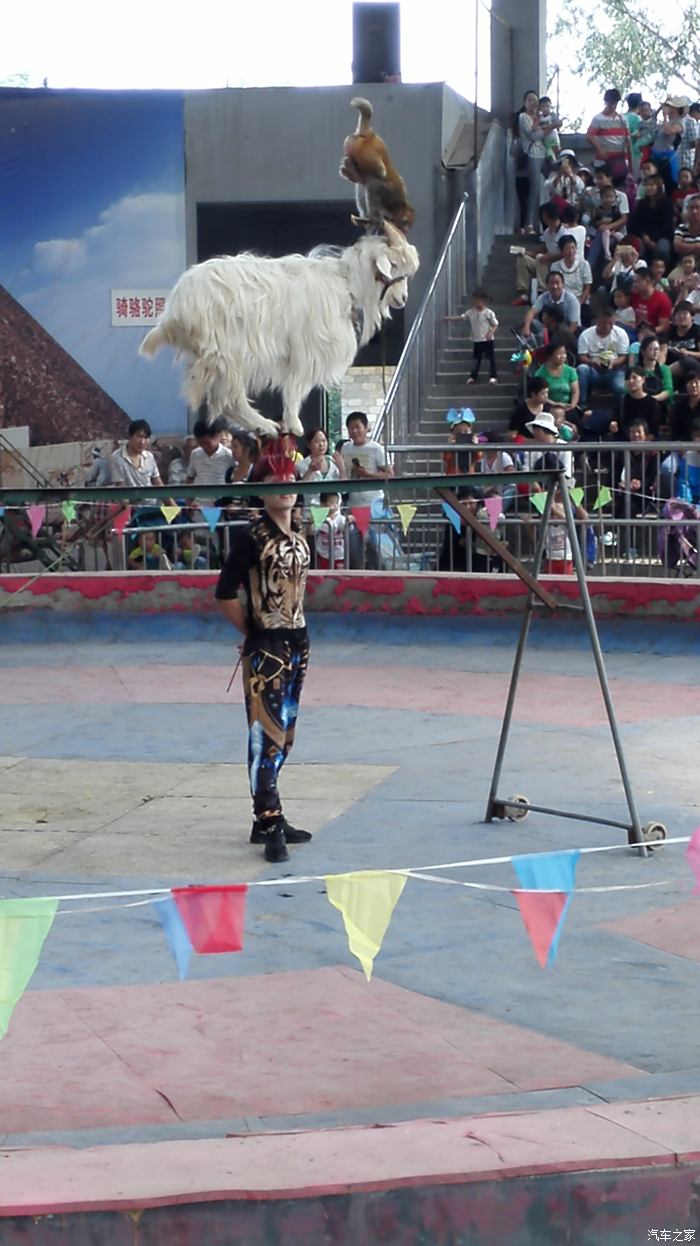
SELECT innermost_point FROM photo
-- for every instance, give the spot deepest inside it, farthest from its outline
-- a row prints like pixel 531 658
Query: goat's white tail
pixel 154 339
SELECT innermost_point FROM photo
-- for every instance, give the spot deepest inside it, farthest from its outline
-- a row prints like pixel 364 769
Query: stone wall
pixel 362 390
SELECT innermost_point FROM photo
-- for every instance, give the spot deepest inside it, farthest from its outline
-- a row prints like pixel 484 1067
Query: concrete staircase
pixel 492 404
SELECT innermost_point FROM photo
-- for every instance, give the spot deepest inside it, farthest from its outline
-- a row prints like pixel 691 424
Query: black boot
pixel 292 834
pixel 275 844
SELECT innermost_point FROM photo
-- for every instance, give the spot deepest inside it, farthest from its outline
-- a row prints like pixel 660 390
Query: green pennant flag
pixel 576 496
pixel 538 501
pixel 604 496
pixel 319 515
pixel 68 509
pixel 24 925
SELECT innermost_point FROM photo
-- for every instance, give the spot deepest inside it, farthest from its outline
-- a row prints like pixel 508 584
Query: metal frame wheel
pixel 654 833
pixel 517 815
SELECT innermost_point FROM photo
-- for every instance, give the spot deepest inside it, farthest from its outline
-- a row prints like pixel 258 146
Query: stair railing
pixel 415 372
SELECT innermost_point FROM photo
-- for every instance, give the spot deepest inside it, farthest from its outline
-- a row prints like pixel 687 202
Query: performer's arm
pixel 235 612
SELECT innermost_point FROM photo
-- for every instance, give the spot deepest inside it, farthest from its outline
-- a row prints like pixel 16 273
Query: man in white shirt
pixel 602 352
pixel 364 459
pixel 210 461
pixel 575 272
pixel 134 464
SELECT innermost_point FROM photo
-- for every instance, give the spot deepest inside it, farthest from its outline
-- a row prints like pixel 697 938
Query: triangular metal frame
pixel 517 808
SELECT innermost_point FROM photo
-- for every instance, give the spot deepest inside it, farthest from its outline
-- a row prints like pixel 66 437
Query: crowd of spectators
pixel 612 287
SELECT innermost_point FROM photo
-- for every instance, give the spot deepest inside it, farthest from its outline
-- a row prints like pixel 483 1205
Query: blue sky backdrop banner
pixel 94 200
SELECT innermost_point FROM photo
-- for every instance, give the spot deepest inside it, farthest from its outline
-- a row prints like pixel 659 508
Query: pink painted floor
pixel 399 687
pixel 279 1044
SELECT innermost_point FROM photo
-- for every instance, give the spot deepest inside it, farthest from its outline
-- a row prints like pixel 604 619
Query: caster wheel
pixel 654 833
pixel 498 811
pixel 516 814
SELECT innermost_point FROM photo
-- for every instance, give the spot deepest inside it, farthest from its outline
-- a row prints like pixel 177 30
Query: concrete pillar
pixel 518 64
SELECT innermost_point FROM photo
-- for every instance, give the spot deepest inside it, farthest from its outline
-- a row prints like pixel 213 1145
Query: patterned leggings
pixel 273 676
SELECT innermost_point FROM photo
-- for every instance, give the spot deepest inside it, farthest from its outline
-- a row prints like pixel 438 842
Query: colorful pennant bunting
pixel 576 495
pixel 178 939
pixel 539 501
pixel 363 517
pixel 212 514
pixel 170 512
pixel 407 514
pixel 692 856
pixel 367 901
pixel 553 875
pixel 36 515
pixel 121 517
pixel 453 517
pixel 319 515
pixel 213 917
pixel 603 498
pixel 68 509
pixel 24 925
pixel 494 510
pixel 543 913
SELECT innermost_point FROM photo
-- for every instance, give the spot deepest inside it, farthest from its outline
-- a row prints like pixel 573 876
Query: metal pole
pixel 636 828
pixel 518 660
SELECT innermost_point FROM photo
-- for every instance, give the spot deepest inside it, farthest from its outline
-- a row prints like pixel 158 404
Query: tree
pixel 15 80
pixel 623 49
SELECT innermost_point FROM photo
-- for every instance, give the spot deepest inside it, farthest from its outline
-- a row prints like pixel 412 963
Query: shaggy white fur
pixel 246 323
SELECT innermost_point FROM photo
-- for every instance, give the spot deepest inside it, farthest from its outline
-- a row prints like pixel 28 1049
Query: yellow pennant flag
pixel 367 901
pixel 24 924
pixel 170 512
pixel 406 513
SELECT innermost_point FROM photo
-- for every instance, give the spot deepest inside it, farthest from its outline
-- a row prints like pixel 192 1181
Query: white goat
pixel 246 323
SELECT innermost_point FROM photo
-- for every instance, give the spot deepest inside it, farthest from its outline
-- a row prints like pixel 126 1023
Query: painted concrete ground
pixel 121 765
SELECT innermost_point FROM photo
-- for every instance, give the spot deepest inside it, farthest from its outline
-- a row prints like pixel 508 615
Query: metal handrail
pixel 409 357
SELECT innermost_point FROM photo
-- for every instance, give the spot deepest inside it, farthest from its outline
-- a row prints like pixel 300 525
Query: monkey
pixel 380 191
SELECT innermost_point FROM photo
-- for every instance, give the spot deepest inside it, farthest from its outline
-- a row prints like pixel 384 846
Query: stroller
pixel 677 544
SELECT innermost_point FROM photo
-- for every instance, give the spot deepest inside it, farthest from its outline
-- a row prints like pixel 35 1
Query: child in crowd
pixel 190 554
pixel 552 142
pixel 625 315
pixel 686 186
pixel 148 554
pixel 330 537
pixel 658 270
pixel 683 278
pixel 461 421
pixel 681 472
pixel 558 556
pixel 607 212
pixel 636 484
pixel 482 324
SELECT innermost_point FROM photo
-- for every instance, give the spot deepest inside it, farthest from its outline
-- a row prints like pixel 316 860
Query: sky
pixel 175 45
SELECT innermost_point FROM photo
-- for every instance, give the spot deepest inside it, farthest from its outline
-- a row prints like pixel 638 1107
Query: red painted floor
pixel 569 700
pixel 675 929
pixel 270 1045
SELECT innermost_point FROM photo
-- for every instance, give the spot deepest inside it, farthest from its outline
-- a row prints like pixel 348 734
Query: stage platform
pixel 463 1097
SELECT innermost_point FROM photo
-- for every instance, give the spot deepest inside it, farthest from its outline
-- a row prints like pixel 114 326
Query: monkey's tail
pixel 366 113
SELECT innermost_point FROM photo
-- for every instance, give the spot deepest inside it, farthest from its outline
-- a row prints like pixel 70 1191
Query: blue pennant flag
pixel 178 938
pixel 212 514
pixel 550 871
pixel 453 517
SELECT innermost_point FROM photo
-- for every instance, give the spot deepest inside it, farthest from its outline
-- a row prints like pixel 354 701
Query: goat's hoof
pixel 293 426
pixel 267 428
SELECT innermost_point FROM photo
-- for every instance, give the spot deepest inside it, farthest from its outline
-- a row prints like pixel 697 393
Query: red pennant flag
pixel 120 519
pixel 362 516
pixel 541 912
pixel 214 917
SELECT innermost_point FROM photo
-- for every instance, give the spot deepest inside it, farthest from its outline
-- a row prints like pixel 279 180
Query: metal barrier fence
pixel 636 516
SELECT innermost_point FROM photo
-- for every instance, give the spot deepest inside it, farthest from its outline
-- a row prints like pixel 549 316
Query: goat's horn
pixel 393 234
